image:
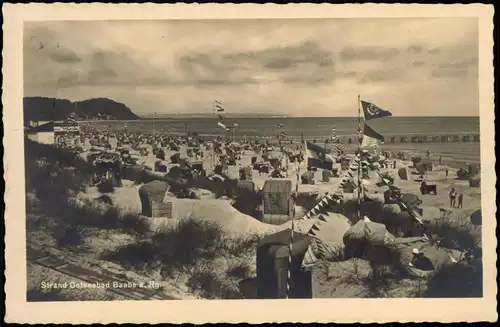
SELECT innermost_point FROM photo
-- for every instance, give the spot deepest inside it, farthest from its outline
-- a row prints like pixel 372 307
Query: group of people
pixel 456 199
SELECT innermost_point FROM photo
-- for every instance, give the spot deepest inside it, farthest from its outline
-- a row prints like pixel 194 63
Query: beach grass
pixel 456 231
pixel 459 280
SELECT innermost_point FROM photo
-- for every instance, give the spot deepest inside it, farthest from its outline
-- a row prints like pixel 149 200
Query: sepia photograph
pixel 253 159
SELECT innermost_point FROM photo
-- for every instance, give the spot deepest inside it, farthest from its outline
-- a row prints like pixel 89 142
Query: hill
pixel 41 108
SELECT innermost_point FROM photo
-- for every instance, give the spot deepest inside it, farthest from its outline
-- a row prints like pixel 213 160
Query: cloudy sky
pixel 419 67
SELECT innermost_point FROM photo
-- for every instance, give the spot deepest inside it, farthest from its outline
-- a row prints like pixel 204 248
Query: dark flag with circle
pixel 372 111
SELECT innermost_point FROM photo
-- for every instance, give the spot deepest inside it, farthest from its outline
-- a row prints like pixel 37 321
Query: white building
pixel 42 133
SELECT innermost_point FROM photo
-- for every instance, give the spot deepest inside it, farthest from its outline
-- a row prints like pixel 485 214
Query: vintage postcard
pixel 249 163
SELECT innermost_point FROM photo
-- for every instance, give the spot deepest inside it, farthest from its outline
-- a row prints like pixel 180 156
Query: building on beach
pixel 53 132
pixel 42 133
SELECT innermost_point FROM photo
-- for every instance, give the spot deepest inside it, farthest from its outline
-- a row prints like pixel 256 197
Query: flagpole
pixel 213 145
pixel 359 164
pixel 154 118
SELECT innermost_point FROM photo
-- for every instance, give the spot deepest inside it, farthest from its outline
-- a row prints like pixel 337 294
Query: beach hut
pixel 272 266
pixel 363 235
pixel 444 139
pixel 277 201
pixel 184 162
pixel 152 195
pixel 326 174
pixel 475 181
pixel 246 173
pixel 160 166
pixel 344 163
pixel 428 187
pixel 403 173
pixel 307 178
pixel 175 158
pixel 348 186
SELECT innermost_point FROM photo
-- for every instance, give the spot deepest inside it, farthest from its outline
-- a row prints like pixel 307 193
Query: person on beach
pixel 440 160
pixel 394 164
pixel 453 195
pixel 446 173
pixel 428 155
pixel 460 200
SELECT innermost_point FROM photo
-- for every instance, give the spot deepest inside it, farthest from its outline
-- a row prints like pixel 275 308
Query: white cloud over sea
pixel 310 67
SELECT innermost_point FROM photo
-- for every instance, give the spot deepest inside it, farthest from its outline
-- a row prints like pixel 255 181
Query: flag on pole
pixel 372 111
pixel 370 137
pixel 317 156
pixel 221 125
pixel 218 106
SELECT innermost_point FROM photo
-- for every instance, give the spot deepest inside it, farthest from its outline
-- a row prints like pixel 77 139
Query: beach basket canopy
pixel 367 230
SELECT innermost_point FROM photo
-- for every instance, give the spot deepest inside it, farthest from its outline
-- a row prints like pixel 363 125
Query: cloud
pixel 415 48
pixel 368 53
pixel 65 56
pixel 460 64
pixel 380 75
pixel 434 50
pixel 449 72
pixel 297 67
pixel 418 63
pixel 299 63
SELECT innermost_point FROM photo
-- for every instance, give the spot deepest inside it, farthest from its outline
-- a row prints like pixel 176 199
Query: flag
pixel 371 111
pixel 317 157
pixel 283 134
pixel 221 118
pixel 221 125
pixel 218 106
pixel 371 137
pixel 280 125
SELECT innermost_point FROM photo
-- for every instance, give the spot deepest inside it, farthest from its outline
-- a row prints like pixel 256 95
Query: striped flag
pixel 221 125
pixel 370 138
pixel 218 106
pixel 283 134
pixel 317 156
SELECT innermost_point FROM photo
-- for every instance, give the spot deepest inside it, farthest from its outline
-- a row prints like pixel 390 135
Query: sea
pixel 455 154
pixel 309 127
